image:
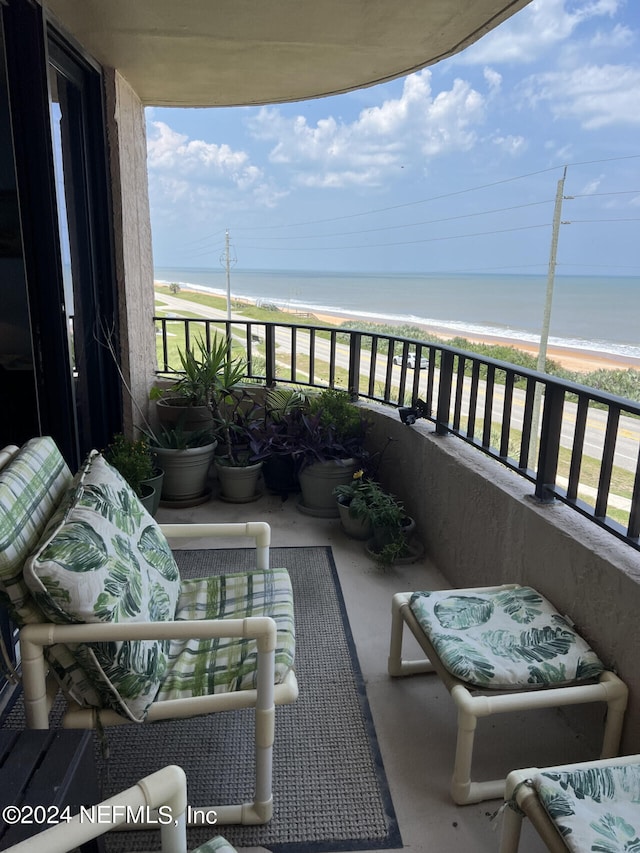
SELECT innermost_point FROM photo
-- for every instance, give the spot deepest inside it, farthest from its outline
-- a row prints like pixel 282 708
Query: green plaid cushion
pixel 504 638
pixel 32 486
pixel 202 667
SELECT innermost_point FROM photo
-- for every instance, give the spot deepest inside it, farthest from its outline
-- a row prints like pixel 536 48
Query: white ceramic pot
pixel 185 472
pixel 317 482
pixel 238 483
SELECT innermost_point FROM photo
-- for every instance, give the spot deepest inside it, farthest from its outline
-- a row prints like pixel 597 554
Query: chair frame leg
pixel 609 689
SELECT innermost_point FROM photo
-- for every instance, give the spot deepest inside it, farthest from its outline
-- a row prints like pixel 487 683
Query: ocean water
pixel 597 313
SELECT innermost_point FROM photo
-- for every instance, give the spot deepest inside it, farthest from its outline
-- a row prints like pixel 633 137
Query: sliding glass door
pixel 58 132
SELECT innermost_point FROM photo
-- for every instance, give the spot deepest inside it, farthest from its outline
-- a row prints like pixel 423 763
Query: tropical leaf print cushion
pixel 594 808
pixel 504 639
pixel 103 558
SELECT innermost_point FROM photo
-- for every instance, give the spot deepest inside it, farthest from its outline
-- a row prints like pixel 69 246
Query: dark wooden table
pixel 51 769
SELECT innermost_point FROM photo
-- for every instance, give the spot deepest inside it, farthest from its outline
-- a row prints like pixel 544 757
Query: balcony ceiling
pixel 236 52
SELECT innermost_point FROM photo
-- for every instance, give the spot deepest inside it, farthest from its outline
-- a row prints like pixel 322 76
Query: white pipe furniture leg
pixel 165 789
pixel 473 704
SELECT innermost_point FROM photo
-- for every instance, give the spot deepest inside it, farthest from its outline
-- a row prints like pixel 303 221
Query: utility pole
pixel 228 269
pixel 546 320
pixel 226 260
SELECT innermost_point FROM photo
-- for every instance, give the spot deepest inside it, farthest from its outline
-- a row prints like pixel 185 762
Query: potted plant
pixel 202 395
pixel 134 461
pixel 235 415
pixel 276 438
pixel 206 375
pixel 354 499
pixel 185 456
pixel 330 447
pixel 368 511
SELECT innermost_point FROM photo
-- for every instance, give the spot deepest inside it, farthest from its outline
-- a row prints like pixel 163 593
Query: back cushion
pixel 31 486
pixel 103 558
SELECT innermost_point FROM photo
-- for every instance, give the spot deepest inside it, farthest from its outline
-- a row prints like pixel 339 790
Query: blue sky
pixel 453 168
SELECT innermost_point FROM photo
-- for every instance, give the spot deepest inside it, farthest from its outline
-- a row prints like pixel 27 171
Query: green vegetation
pixel 622 383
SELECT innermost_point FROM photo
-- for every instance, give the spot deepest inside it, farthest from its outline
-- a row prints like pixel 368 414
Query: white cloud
pixel 532 31
pixel 619 37
pixel 417 124
pixel 562 153
pixel 493 78
pixel 204 174
pixel 510 144
pixel 592 186
pixel 168 151
pixel 597 96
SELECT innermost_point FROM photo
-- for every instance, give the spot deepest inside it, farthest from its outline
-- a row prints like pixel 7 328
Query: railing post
pixel 549 443
pixel 445 385
pixel 355 347
pixel 270 354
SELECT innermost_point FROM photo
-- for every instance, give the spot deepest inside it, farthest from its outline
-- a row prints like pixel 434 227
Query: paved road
pixel 627 445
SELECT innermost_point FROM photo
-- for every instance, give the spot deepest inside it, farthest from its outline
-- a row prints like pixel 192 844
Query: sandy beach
pixel 581 361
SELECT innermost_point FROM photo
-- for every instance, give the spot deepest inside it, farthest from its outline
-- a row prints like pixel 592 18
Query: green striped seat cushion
pixel 102 558
pixel 504 639
pixel 32 485
pixel 203 667
pixel 593 808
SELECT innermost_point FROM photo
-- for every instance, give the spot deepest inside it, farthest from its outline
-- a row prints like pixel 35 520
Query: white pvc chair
pixel 473 703
pixel 46 485
pixel 566 830
pixel 166 790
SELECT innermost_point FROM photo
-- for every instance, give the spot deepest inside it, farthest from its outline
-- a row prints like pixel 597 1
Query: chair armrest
pixel 259 531
pixel 33 639
pixel 260 628
pixel 166 787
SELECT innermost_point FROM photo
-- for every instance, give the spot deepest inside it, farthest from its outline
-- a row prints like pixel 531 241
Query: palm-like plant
pixel 209 374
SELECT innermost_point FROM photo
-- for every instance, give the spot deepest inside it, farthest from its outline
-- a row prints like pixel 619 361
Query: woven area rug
pixel 329 786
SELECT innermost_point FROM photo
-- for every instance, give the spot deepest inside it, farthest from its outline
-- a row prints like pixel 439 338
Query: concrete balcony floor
pixel 414 717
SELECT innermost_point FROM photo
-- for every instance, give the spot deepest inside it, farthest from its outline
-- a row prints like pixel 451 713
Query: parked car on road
pixel 411 360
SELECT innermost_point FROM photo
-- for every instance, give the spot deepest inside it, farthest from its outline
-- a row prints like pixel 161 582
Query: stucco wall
pixel 127 143
pixel 481 525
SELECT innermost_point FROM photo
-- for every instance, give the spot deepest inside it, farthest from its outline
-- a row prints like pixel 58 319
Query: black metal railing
pixel 574 443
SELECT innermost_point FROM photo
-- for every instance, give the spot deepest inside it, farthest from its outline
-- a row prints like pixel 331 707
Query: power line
pixel 605 220
pixel 442 195
pixel 399 243
pixel 407 224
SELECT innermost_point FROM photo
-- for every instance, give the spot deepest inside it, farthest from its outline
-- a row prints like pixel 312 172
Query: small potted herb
pixel 381 518
pixel 134 460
